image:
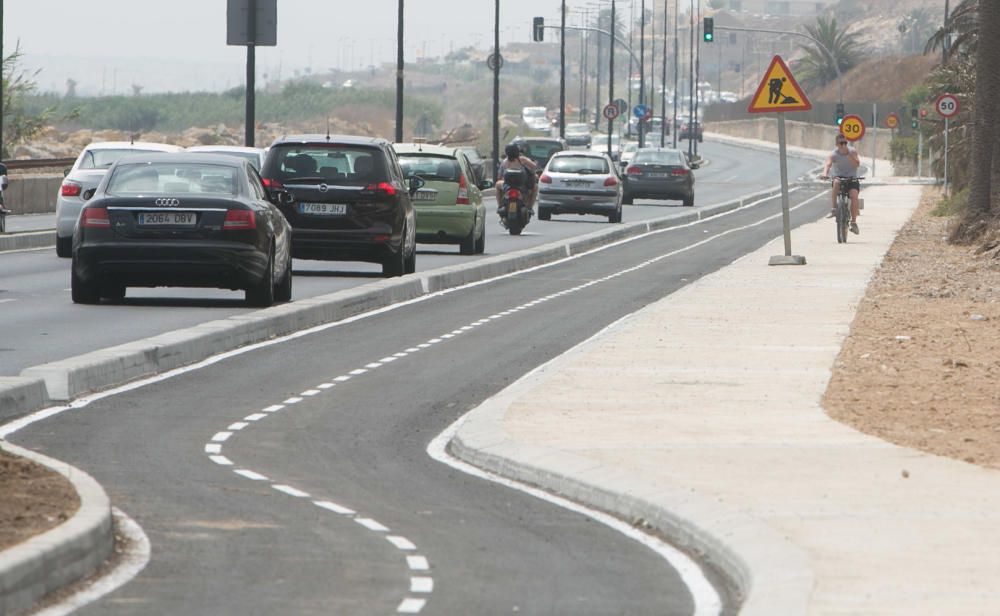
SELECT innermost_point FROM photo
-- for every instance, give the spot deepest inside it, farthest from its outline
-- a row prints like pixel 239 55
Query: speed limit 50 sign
pixel 946 105
pixel 853 127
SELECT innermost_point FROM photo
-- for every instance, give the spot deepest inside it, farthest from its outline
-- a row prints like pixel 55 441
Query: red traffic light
pixel 923 113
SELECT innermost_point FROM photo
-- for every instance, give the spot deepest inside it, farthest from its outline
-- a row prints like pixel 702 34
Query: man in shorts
pixel 844 162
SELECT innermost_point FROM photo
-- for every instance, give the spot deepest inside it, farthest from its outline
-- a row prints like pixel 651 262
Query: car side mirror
pixel 89 194
pixel 282 197
pixel 486 185
pixel 66 171
pixel 416 183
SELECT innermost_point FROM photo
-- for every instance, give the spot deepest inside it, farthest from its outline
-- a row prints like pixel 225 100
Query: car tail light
pixel 381 238
pixel 611 181
pixel 95 218
pixel 463 191
pixel 634 171
pixel 70 189
pixel 238 220
pixel 272 184
pixel 382 188
pixel 545 179
pixel 679 171
pixel 514 193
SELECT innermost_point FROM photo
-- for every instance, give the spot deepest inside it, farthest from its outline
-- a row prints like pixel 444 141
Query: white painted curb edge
pixel 67 553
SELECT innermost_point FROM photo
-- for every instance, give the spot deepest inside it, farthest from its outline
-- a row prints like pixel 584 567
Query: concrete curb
pixel 770 574
pixel 23 241
pixel 82 548
pixel 63 555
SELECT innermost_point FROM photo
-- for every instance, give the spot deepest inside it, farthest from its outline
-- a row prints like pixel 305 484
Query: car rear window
pixel 333 164
pixel 658 158
pixel 537 150
pixel 429 167
pixel 173 178
pixel 103 159
pixel 579 164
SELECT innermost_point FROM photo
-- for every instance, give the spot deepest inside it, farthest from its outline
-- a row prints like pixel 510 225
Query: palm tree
pixel 817 67
pixel 984 130
pixel 962 29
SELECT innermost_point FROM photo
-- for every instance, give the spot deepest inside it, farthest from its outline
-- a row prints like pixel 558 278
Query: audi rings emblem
pixel 323 187
pixel 168 202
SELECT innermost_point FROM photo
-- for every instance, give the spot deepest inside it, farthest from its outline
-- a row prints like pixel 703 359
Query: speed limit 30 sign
pixel 852 127
pixel 946 105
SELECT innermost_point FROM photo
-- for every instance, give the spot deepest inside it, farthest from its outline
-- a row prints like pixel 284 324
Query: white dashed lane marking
pixel 250 474
pixel 371 524
pixel 421 584
pixel 401 543
pixel 334 507
pixel 411 606
pixel 417 563
pixel 289 490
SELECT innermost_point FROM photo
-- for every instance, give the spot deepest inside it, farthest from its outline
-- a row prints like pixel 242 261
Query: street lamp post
pixel 642 70
pixel 663 80
pixel 562 71
pixel 399 74
pixel 496 91
pixel 677 68
pixel 611 73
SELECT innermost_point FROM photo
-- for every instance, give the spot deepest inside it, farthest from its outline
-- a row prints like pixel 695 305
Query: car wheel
pixel 410 262
pixel 481 242
pixel 616 217
pixel 284 291
pixel 544 214
pixel 64 247
pixel 261 295
pixel 83 292
pixel 628 199
pixel 468 245
pixel 689 201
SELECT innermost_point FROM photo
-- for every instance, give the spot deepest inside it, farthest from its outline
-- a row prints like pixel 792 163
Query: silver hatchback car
pixel 579 182
pixel 86 173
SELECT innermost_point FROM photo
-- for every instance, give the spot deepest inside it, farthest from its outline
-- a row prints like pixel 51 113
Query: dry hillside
pixel 880 79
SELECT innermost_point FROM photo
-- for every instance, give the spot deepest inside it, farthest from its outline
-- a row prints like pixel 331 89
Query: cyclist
pixel 514 160
pixel 844 161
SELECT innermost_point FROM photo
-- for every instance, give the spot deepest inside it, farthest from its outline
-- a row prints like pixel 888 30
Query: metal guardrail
pixel 39 163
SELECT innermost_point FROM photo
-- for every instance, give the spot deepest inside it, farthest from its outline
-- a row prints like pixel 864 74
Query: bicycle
pixel 842 211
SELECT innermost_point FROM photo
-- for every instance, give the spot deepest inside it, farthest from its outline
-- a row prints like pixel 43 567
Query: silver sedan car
pixel 254 155
pixel 579 182
pixel 87 172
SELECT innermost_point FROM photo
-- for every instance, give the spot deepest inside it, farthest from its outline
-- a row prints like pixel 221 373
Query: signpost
pixel 610 111
pixel 892 121
pixel 778 92
pixel 947 107
pixel 853 127
pixel 251 23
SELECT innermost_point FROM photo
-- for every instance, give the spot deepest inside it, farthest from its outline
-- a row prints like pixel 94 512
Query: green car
pixel 449 206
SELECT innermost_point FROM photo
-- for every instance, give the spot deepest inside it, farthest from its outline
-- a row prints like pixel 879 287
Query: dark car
pixel 184 220
pixel 659 173
pixel 578 134
pixel 349 200
pixel 540 149
pixel 691 130
pixel 476 161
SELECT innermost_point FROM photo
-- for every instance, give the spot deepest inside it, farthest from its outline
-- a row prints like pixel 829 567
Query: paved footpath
pixel 701 414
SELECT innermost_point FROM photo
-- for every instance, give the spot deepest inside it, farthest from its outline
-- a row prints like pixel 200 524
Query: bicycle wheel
pixel 842 219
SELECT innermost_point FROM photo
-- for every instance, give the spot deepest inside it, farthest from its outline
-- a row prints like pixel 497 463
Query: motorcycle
pixel 514 211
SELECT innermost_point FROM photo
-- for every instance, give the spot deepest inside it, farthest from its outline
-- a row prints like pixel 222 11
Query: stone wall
pixel 801 134
pixel 32 194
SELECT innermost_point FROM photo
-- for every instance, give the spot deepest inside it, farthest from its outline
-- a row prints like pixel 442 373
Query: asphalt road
pixel 240 471
pixel 40 324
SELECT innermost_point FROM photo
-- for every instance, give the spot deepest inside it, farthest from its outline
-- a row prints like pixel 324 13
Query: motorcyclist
pixel 514 160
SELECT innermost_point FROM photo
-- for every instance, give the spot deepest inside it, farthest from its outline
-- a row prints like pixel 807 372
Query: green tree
pixel 18 124
pixel 961 29
pixel 817 68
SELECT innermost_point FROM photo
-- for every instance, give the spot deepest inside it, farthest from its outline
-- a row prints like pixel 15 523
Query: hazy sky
pixel 107 45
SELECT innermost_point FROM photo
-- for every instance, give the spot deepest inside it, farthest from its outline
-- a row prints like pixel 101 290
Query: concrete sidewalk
pixel 701 414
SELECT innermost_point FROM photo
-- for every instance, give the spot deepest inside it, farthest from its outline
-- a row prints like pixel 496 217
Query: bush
pixel 950 206
pixel 903 149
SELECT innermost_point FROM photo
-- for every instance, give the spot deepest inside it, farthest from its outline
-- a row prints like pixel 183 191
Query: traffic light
pixel 538 29
pixel 840 113
pixel 914 122
pixel 708 30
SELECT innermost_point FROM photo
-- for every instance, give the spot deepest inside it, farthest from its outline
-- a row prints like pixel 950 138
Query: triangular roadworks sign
pixel 778 91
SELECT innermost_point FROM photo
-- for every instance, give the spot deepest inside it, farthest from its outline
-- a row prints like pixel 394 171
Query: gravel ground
pixel 920 367
pixel 33 499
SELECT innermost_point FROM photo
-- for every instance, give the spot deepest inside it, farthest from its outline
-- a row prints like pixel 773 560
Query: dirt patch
pixel 33 499
pixel 920 367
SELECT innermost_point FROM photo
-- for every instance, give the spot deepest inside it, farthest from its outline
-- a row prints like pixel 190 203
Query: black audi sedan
pixel 181 220
pixel 659 173
pixel 348 199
